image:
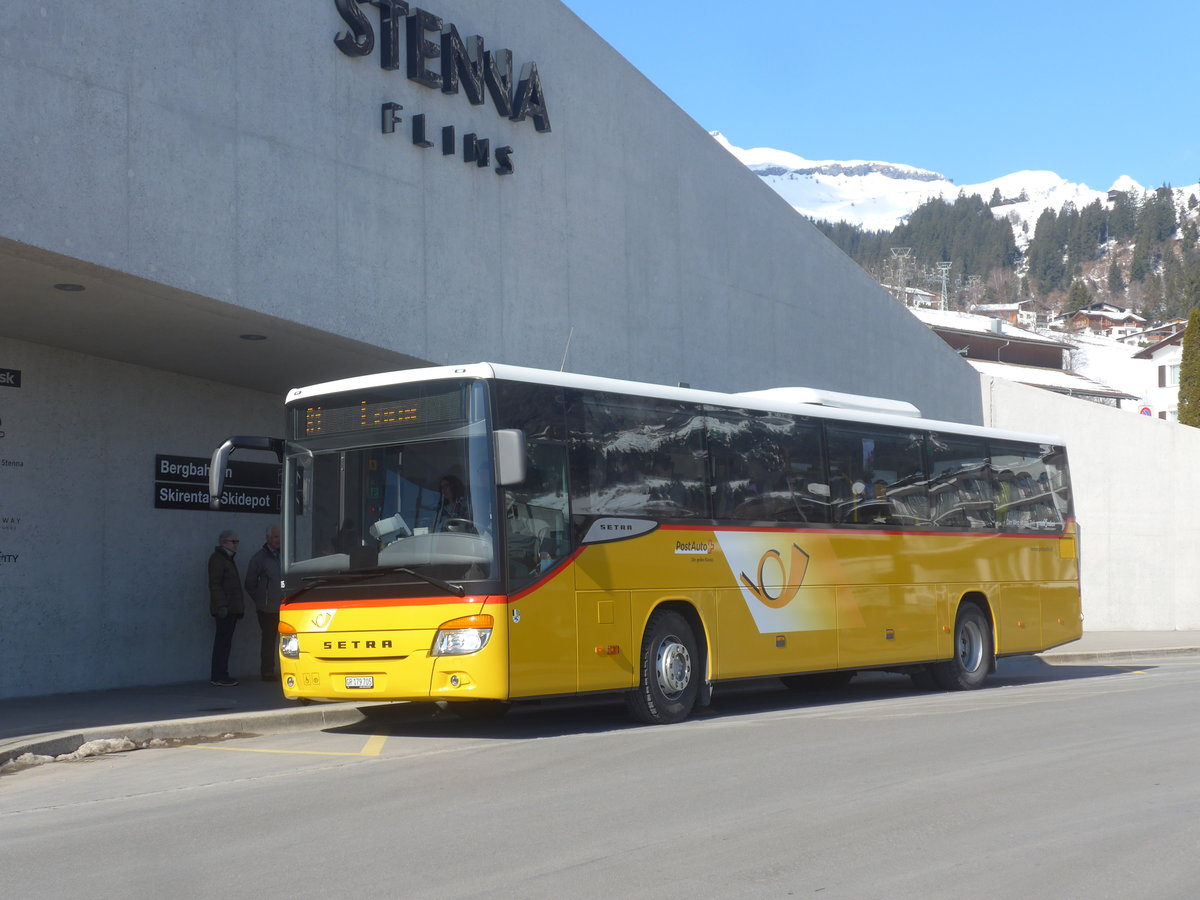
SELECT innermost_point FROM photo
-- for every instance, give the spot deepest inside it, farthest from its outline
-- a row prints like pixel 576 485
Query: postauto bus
pixel 483 534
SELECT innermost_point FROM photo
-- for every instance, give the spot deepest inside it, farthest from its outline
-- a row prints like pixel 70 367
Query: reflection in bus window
pixel 645 457
pixel 766 467
pixel 960 489
pixel 536 515
pixel 536 511
pixel 877 476
pixel 1030 492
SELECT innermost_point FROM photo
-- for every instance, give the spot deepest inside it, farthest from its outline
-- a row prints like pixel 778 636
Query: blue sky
pixel 974 91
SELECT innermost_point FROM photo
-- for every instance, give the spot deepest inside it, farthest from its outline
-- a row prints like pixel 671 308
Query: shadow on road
pixel 586 715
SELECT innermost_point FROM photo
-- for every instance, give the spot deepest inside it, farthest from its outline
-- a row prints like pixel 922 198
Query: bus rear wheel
pixel 669 671
pixel 972 652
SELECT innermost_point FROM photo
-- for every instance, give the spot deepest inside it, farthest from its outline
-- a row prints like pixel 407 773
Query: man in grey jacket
pixel 263 584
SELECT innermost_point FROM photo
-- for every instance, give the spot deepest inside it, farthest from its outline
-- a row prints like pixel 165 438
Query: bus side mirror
pixel 220 459
pixel 510 455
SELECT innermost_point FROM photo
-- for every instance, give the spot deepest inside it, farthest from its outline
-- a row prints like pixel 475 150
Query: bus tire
pixel 973 651
pixel 669 671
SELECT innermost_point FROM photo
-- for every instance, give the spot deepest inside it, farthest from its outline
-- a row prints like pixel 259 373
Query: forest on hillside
pixel 1137 252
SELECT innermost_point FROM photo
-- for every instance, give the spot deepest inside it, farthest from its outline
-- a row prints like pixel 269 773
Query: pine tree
pixel 1079 296
pixel 1116 281
pixel 1189 373
pixel 1122 218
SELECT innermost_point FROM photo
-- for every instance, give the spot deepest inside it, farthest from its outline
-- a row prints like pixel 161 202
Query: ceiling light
pixel 253 337
pixel 68 286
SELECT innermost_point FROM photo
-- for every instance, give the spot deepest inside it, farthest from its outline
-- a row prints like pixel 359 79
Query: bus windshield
pixel 392 480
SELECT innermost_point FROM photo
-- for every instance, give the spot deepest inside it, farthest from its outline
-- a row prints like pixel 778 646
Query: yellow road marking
pixel 373 747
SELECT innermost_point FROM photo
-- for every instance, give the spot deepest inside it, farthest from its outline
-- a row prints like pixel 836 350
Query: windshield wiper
pixel 365 574
pixel 457 589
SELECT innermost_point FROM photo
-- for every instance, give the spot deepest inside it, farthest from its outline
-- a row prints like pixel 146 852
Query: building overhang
pixel 1056 380
pixel 102 312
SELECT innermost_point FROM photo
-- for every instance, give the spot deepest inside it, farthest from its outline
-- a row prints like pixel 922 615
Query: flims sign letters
pixel 438 57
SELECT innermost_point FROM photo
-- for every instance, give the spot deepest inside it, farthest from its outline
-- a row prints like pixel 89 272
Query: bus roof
pixel 797 400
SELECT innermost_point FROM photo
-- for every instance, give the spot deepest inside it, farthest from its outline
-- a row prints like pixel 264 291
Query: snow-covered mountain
pixel 879 195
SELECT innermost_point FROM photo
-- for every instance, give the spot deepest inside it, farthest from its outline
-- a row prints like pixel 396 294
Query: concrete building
pixel 198 212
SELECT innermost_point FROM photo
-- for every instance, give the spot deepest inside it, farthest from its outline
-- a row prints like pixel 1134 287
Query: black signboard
pixel 181 482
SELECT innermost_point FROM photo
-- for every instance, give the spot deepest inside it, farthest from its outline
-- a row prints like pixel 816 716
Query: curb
pixel 140 733
pixel 1113 656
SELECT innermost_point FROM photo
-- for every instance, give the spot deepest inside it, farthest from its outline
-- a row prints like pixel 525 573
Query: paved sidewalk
pixel 61 724
pixel 1121 646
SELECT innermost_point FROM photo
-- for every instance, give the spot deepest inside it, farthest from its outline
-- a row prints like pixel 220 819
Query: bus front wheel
pixel 669 671
pixel 972 658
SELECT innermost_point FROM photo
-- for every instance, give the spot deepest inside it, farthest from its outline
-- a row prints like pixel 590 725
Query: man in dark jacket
pixel 225 603
pixel 263 586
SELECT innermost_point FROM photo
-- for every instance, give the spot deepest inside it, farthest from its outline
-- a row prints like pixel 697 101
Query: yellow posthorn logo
pixel 788 578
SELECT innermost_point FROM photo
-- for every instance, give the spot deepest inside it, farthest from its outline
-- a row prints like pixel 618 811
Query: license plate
pixel 360 681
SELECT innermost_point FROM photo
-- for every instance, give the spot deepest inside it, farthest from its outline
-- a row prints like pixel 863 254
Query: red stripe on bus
pixel 852 530
pixel 383 602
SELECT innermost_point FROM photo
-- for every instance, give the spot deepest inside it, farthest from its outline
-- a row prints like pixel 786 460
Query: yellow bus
pixel 483 534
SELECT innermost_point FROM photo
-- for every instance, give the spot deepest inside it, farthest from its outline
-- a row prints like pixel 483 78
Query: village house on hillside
pixel 914 296
pixel 998 348
pixel 1103 318
pixel 1012 313
pixel 1162 391
pixel 1158 333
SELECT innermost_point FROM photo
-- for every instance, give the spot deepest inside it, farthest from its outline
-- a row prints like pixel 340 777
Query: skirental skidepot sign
pixel 181 482
pixel 437 57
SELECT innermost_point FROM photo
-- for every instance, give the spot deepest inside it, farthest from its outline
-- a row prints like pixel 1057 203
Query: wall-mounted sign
pixel 9 524
pixel 449 64
pixel 181 482
pixel 10 378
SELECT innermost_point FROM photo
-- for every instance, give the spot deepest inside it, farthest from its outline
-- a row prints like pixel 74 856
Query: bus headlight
pixel 458 637
pixel 289 641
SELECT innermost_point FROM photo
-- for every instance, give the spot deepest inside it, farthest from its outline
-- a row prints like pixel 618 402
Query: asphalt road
pixel 1054 781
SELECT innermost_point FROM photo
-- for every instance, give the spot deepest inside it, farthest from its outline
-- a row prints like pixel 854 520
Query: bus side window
pixel 645 457
pixel 960 490
pixel 1026 498
pixel 877 476
pixel 536 511
pixel 766 467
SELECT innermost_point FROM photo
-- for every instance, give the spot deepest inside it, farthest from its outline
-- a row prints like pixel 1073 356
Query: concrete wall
pixel 235 152
pixel 97 587
pixel 1135 498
